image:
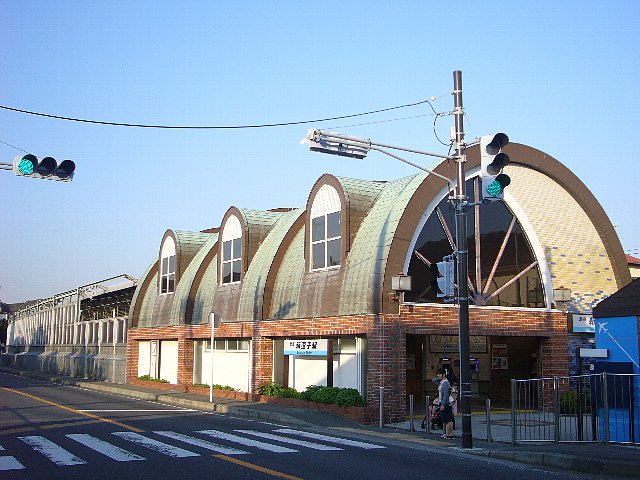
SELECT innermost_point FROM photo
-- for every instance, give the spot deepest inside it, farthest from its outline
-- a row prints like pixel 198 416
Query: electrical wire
pixel 209 127
pixel 379 121
pixel 13 146
pixel 438 115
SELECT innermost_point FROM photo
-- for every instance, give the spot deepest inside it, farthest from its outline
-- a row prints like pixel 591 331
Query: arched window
pixel 231 260
pixel 168 266
pixel 503 269
pixel 326 229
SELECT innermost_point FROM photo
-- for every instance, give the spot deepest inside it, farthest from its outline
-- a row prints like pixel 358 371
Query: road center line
pixel 253 466
pixel 141 410
pixel 73 410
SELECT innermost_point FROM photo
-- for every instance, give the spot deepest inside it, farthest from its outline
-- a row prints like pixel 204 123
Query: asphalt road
pixel 58 432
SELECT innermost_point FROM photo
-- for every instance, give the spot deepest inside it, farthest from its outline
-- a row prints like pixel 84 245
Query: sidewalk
pixel 594 458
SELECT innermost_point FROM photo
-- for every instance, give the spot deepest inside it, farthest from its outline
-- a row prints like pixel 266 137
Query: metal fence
pixel 603 407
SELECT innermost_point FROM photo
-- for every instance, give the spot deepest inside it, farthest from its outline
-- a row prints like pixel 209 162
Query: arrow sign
pixel 602 328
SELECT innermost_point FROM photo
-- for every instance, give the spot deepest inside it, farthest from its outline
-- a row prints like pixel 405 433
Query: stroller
pixel 435 418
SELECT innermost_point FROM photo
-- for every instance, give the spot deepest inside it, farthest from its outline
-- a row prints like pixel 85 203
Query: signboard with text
pixel 583 323
pixel 306 347
pixel 449 343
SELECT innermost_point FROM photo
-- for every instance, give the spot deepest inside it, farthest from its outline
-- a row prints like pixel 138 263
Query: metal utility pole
pixel 462 256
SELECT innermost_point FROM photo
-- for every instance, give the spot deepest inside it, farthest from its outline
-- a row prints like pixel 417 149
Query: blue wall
pixel 620 336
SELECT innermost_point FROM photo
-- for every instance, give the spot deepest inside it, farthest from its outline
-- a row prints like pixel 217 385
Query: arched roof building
pixel 324 271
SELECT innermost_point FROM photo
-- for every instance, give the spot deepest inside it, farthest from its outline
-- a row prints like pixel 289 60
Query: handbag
pixel 453 396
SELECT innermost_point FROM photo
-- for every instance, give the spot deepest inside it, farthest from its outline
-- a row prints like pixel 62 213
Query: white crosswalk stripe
pixel 62 457
pixel 246 441
pixel 105 448
pixel 52 451
pixel 152 444
pixel 279 438
pixel 10 463
pixel 201 443
pixel 327 438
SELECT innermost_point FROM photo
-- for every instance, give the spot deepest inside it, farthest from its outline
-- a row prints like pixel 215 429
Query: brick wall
pixel 386 342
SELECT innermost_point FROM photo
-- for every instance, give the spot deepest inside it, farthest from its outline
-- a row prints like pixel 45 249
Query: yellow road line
pixel 253 466
pixel 78 412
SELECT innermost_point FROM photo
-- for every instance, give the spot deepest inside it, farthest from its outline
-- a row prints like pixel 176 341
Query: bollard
pixel 513 411
pixel 381 407
pixel 605 408
pixel 489 437
pixel 411 427
pixel 556 409
pixel 427 420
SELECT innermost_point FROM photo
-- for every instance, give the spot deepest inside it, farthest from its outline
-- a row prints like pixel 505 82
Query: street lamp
pixel 562 295
pixel 356 147
pixel 400 284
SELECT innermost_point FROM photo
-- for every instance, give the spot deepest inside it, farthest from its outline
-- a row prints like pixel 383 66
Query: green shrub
pixel 345 397
pixel 569 402
pixel 273 389
pixel 148 378
pixel 349 397
pixel 311 393
pixel 215 386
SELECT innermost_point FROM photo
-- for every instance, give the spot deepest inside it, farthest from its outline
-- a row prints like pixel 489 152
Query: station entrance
pixel 494 361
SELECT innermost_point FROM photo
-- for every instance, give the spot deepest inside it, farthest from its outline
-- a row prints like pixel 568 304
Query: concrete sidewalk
pixel 595 458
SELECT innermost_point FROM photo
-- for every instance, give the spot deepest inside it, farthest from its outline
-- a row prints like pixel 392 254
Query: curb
pixel 563 461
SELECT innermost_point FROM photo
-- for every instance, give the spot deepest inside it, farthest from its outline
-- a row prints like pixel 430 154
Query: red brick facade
pixel 386 342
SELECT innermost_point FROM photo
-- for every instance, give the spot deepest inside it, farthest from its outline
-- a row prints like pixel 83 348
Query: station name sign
pixel 306 347
pixel 583 323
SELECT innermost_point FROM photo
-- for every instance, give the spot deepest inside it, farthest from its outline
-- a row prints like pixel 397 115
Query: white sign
pixel 154 358
pixel 594 353
pixel 583 323
pixel 306 347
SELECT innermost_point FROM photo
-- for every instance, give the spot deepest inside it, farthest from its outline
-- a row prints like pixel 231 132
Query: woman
pixel 446 410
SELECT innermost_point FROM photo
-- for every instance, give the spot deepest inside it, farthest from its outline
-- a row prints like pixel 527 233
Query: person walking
pixel 446 410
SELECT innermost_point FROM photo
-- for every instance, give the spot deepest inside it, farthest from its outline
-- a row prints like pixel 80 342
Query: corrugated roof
pixel 367 261
pixel 184 287
pixel 253 282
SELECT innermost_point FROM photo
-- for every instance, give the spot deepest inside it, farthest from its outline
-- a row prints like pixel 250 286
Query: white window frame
pixel 326 202
pixel 232 236
pixel 167 252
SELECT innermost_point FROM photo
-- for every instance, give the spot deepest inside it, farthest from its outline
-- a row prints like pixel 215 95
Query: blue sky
pixel 558 76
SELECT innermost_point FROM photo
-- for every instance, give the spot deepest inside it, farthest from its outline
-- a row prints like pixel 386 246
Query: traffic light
pixel 443 273
pixel 492 161
pixel 30 166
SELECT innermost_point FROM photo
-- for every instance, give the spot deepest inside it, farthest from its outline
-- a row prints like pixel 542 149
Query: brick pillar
pixel 185 361
pixel 131 369
pixel 386 364
pixel 555 357
pixel 262 358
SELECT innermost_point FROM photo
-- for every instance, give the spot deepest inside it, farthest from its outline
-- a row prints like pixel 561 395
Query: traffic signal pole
pixel 462 257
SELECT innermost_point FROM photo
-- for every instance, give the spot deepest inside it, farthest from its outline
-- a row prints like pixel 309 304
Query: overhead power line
pixel 208 127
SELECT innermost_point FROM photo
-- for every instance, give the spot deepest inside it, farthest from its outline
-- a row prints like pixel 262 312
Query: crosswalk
pixel 117 446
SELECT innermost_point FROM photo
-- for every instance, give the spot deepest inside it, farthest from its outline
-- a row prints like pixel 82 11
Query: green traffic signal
pixel 26 165
pixel 496 188
pixel 30 166
pixel 492 162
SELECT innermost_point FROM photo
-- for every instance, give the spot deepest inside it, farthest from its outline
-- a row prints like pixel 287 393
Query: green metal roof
pixel 185 284
pixel 253 282
pixel 367 261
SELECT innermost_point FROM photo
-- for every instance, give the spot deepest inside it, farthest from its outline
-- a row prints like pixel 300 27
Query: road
pixel 58 432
